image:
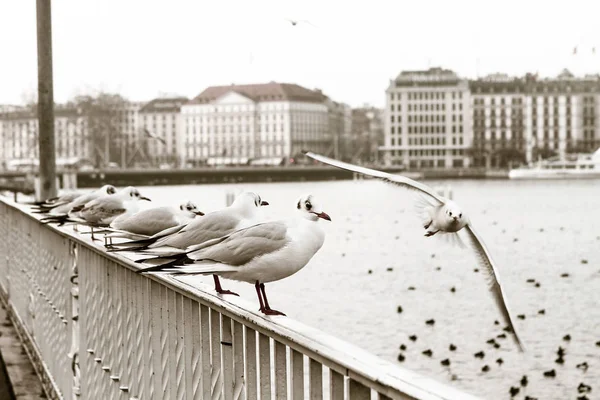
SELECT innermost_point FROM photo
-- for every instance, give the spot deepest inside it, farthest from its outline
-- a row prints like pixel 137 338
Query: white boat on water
pixel 574 166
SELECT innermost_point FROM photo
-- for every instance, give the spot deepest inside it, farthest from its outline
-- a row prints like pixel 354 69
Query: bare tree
pixel 104 116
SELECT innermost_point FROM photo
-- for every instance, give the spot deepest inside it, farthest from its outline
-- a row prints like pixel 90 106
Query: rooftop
pixel 166 104
pixel 271 91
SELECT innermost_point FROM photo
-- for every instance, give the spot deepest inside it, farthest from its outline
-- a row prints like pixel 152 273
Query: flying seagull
pixel 155 137
pixel 295 22
pixel 440 216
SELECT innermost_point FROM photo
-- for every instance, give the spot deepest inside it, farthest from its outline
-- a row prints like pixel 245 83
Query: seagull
pixel 441 216
pixel 155 137
pixel 60 213
pixel 146 223
pixel 104 210
pixel 259 254
pixel 243 212
pixel 295 22
pixel 42 207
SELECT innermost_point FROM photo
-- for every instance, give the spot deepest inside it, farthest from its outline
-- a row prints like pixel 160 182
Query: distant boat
pixel 574 166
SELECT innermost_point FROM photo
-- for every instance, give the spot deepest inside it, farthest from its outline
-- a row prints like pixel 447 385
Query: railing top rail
pixel 336 354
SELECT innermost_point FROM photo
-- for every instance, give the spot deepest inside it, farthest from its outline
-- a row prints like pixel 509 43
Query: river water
pixel 534 230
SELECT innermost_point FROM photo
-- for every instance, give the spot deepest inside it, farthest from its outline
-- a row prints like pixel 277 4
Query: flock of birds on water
pixel 238 243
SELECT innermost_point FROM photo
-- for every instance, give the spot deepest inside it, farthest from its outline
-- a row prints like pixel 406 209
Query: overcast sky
pixel 350 49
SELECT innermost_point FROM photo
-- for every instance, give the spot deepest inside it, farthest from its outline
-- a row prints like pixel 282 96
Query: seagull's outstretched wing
pixel 485 260
pixel 390 178
pixel 151 136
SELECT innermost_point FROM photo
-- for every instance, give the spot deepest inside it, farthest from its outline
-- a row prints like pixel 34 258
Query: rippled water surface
pixel 535 230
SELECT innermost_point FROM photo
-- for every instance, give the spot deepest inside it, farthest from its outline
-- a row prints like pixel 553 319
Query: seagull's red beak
pixel 264 203
pixel 323 215
pixel 145 198
pixel 200 213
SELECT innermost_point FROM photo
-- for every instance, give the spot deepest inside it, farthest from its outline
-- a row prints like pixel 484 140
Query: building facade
pixel 519 120
pixel 237 123
pixel 19 135
pixel 428 120
pixel 367 133
pixel 339 125
pixel 162 119
pixel 434 119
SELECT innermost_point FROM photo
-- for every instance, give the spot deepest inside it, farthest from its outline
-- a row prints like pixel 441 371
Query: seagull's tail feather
pixel 58 219
pixel 451 238
pixel 207 267
pixel 117 233
pixel 160 263
pixel 164 251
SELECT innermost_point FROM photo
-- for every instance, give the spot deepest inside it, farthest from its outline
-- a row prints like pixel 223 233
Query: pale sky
pixel 143 48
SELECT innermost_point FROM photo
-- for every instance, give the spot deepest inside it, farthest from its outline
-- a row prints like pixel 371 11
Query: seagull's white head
pixel 453 215
pixel 190 209
pixel 108 189
pixel 249 200
pixel 311 209
pixel 131 193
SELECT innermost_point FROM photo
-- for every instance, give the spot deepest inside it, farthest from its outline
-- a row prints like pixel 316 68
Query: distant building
pixel 19 134
pixel 428 120
pixel 162 118
pixel 243 122
pixel 521 119
pixel 340 127
pixel 499 106
pixel 367 133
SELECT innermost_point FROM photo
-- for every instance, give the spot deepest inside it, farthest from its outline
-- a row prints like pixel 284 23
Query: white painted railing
pixel 97 330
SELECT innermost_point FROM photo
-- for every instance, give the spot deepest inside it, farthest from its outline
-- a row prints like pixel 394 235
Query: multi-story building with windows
pixel 499 105
pixel 521 119
pixel 19 135
pixel 242 122
pixel 162 119
pixel 339 126
pixel 367 133
pixel 435 119
pixel 428 120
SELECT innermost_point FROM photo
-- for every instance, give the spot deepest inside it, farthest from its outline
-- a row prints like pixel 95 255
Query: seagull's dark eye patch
pixel 308 205
pixel 450 213
pixel 299 205
pixel 460 215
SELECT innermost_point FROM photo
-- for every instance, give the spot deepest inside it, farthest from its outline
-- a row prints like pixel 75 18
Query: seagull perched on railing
pixel 60 213
pixel 46 205
pixel 146 223
pixel 243 212
pixel 259 254
pixel 442 217
pixel 104 210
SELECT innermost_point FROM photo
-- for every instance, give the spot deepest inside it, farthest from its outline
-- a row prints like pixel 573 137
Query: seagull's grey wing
pixel 485 260
pixel 100 209
pixel 147 222
pixel 399 180
pixel 199 230
pixel 244 245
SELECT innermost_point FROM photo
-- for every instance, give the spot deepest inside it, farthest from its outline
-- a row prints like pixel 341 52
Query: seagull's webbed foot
pixel 219 289
pixel 268 311
pixel 427 225
pixel 265 308
pixel 430 233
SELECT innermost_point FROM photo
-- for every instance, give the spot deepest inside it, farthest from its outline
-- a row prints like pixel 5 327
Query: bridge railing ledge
pixel 100 330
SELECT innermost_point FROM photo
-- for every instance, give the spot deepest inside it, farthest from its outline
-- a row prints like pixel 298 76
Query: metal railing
pixel 97 330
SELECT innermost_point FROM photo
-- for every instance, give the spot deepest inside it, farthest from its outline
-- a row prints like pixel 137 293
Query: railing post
pixel 74 352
